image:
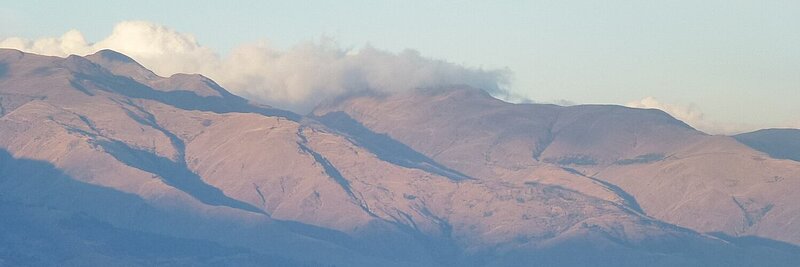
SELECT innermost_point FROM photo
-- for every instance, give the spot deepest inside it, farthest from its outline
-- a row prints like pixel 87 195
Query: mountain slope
pixel 642 158
pixel 778 143
pixel 103 140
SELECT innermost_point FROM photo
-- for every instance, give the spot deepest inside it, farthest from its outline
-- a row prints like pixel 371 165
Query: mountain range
pixel 103 162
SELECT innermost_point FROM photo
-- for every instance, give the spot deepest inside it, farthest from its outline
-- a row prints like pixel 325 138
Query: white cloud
pixel 688 114
pixel 72 42
pixel 691 115
pixel 297 78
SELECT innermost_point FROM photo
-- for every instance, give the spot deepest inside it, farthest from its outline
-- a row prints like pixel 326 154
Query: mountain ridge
pixel 620 146
pixel 174 162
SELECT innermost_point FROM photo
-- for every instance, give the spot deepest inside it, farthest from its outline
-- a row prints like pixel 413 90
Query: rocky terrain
pixel 102 162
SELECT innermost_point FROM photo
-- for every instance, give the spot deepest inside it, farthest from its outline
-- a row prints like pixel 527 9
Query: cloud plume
pixel 296 78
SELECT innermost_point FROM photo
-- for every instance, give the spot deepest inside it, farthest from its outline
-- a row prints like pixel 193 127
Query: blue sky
pixel 732 63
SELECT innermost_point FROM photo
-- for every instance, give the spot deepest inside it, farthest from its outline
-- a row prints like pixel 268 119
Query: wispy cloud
pixel 691 115
pixel 296 78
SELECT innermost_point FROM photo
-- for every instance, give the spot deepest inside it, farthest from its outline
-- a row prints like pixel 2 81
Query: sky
pixel 721 66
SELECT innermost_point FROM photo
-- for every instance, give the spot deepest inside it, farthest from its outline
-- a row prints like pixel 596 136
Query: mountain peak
pixel 112 56
pixel 7 53
pixel 122 65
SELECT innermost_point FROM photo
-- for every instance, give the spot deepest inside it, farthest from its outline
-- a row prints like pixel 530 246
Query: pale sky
pixel 730 65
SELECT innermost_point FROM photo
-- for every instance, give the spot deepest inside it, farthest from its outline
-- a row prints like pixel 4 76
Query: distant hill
pixel 778 143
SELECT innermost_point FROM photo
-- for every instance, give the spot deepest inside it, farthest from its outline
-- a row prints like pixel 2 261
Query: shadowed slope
pixel 39 230
pixel 385 147
pixel 174 174
pixel 778 143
